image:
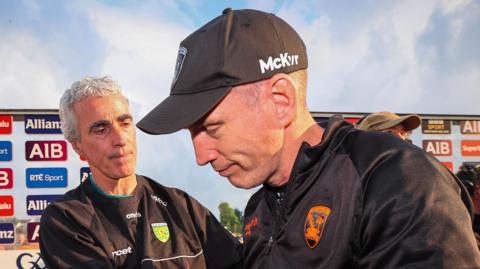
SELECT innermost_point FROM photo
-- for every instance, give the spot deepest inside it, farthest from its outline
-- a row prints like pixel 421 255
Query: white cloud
pixel 449 6
pixel 30 76
pixel 140 53
pixel 373 62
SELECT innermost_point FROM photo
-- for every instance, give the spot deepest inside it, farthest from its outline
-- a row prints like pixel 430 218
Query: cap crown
pixel 384 120
pixel 237 47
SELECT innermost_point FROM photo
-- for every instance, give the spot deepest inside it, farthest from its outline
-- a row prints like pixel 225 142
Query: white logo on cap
pixel 182 53
pixel 279 62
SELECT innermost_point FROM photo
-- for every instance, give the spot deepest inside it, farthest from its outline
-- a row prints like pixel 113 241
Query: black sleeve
pixel 413 216
pixel 64 244
pixel 221 248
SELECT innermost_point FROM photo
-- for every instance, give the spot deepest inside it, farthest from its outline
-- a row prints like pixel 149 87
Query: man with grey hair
pixel 116 218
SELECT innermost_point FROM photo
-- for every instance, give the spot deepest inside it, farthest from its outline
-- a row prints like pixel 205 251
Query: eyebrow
pixel 97 124
pixel 124 117
pixel 213 122
pixel 101 123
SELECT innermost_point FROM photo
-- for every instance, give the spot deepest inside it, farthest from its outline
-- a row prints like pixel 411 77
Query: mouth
pixel 224 172
pixel 119 155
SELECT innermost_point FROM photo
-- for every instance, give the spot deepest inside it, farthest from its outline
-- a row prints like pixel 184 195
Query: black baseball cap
pixel 238 47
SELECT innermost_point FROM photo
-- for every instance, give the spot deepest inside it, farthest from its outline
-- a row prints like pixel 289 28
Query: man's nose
pixel 119 136
pixel 204 149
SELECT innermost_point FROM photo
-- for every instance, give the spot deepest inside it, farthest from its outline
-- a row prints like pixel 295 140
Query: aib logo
pixel 46 150
pixel 6 178
pixel 30 261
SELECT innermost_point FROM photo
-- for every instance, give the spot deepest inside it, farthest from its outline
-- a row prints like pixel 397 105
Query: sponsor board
pixel 470 126
pixel 46 177
pixel 22 259
pixel 6 178
pixel 7 233
pixel 5 151
pixel 84 173
pixel 470 147
pixel 449 165
pixel 36 204
pixel 5 124
pixel 352 120
pixel 6 206
pixel 42 124
pixel 33 232
pixel 46 150
pixel 438 147
pixel 436 126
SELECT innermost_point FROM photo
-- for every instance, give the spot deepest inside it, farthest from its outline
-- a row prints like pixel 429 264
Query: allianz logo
pixel 121 252
pixel 281 61
pixel 7 235
pixel 133 215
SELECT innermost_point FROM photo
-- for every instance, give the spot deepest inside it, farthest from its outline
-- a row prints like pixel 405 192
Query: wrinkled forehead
pixel 101 107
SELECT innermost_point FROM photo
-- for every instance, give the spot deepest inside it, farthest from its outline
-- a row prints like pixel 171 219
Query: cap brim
pixel 410 122
pixel 177 112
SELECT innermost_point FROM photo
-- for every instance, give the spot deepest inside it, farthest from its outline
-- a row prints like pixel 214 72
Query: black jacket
pixel 361 200
pixel 155 227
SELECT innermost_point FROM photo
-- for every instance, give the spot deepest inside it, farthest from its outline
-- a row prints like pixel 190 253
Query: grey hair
pixel 86 87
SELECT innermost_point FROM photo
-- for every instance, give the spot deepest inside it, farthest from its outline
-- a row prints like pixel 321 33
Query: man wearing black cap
pixel 331 198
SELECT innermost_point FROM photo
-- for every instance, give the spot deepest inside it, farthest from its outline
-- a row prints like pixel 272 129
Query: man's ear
pixel 284 96
pixel 76 145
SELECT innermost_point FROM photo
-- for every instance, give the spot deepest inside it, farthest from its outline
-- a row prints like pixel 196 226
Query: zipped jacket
pixel 361 200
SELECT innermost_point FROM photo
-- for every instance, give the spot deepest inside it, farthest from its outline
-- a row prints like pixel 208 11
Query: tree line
pixel 231 218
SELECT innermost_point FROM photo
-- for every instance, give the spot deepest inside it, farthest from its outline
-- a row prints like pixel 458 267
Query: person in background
pixel 329 198
pixel 116 218
pixel 469 175
pixel 401 126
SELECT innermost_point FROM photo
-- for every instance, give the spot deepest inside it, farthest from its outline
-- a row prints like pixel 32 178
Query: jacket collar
pixel 308 155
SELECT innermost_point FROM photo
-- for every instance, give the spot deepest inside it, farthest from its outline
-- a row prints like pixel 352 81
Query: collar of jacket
pixel 309 156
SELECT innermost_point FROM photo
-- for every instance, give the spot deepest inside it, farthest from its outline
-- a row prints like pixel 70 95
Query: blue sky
pixel 403 56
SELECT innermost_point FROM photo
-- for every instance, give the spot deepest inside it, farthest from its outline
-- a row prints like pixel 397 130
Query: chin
pixel 242 184
pixel 125 172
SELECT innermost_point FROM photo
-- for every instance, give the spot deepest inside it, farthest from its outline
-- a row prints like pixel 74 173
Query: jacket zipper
pixel 278 212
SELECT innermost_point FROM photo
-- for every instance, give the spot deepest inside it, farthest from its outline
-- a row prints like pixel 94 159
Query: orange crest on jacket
pixel 249 226
pixel 314 224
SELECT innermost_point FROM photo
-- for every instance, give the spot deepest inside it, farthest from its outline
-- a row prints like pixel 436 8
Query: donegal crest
pixel 161 232
pixel 314 224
